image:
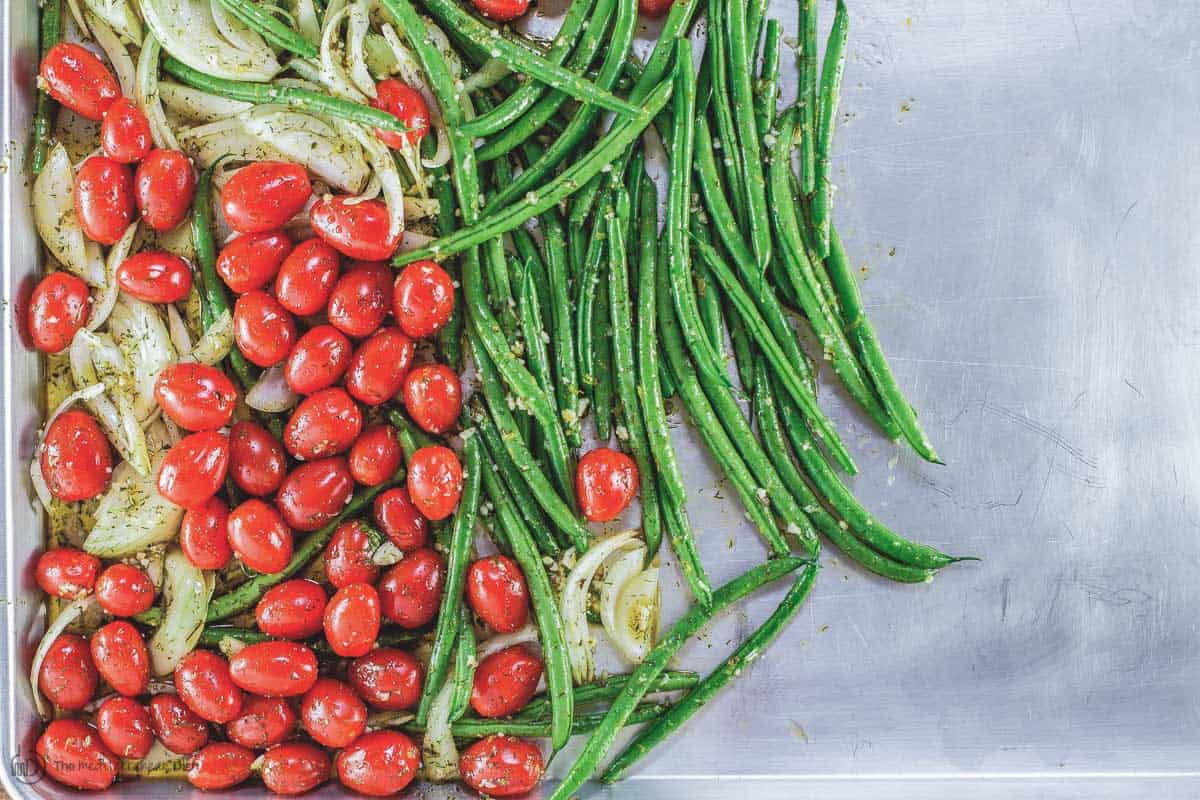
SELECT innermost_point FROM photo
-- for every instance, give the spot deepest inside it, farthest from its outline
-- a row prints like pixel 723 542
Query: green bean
pixel 449 338
pixel 270 28
pixel 561 332
pixel 531 327
pixel 745 655
pixel 654 663
pixel 708 303
pixel 464 664
pixel 43 124
pixel 607 689
pixel 768 85
pixel 530 257
pixel 831 83
pixel 213 635
pixel 731 155
pixel 742 346
pixel 587 283
pixel 539 728
pixel 409 430
pixel 756 13
pixel 809 78
pixel 747 130
pixel 602 363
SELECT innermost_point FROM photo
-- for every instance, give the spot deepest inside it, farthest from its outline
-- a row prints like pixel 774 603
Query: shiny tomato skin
pixel 324 424
pixel 314 493
pixel 379 763
pixel 294 768
pixel 422 298
pixel 264 195
pixel 497 592
pixel 220 765
pixel 194 469
pixel 294 609
pixel 196 397
pixel 252 260
pixel 400 520
pixel 379 366
pixel 264 722
pixel 348 556
pixel 654 8
pixel 164 185
pixel 121 658
pixel 104 200
pixel 433 397
pixel 606 480
pixel 274 669
pixel 79 80
pixel 358 303
pixel 68 677
pixel 263 330
pixel 387 679
pixel 76 460
pixel 74 755
pixel 260 537
pixel 66 572
pixel 411 591
pixel 355 229
pixel 123 590
pixel 376 455
pixel 155 276
pixel 257 462
pixel 352 620
pixel 202 681
pixel 307 276
pixel 505 682
pixel 318 360
pixel 501 10
pixel 332 714
pixel 176 725
pixel 125 132
pixel 58 308
pixel 502 766
pixel 203 535
pixel 124 727
pixel 435 481
pixel 405 104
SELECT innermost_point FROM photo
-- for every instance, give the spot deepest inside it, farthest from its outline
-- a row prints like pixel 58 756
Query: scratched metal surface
pixel 1020 181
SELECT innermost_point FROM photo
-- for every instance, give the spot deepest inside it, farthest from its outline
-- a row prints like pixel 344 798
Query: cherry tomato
pixel 387 679
pixel 220 765
pixel 435 481
pixel 75 458
pixel 318 360
pixel 405 104
pixel 260 537
pixel 124 727
pixel 501 10
pixel 397 517
pixel 379 764
pixel 264 196
pixel 195 396
pixel 376 455
pixel 203 537
pixel 605 481
pixel 274 669
pixel 348 556
pixel 155 276
pixel 263 329
pixel 203 682
pixel 306 278
pixel 176 725
pixel 352 620
pixel 358 302
pixel 505 681
pixel 324 424
pixel 68 676
pixel 379 366
pixel 194 468
pixel 123 590
pixel 252 260
pixel 164 184
pixel 355 229
pixel 58 308
pixel 332 714
pixel 104 198
pixel 497 593
pixel 66 572
pixel 256 459
pixel 294 609
pixel 264 722
pixel 125 132
pixel 501 766
pixel 121 658
pixel 433 397
pixel 294 768
pixel 411 591
pixel 654 8
pixel 75 756
pixel 79 80
pixel 314 493
pixel 422 299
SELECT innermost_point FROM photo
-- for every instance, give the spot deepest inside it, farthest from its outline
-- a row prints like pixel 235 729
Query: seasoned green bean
pixel 747 132
pixel 831 84
pixel 43 118
pixel 269 27
pixel 809 78
pixel 607 689
pixel 768 82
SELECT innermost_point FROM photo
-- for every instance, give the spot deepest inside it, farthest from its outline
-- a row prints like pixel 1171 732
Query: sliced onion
pixel 388 173
pixel 500 641
pixel 197 105
pixel 178 330
pixel 492 72
pixel 111 44
pixel 144 340
pixel 54 216
pixel 159 762
pixel 410 73
pixel 271 393
pixel 573 603
pixel 332 74
pixel 234 31
pixel 421 207
pixel 35 464
pixel 438 751
pixel 387 554
pixel 73 611
pixel 413 241
pixel 95 357
pixel 620 569
pixel 388 719
pixel 187 30
pixel 146 94
pixel 356 34
pixel 636 616
pixel 186 592
pixel 132 516
pixel 103 307
pixel 215 344
pixel 230 646
pixel 307 21
pixel 77 15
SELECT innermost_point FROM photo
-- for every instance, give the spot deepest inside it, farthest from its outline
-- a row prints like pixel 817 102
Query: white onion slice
pixel 271 393
pixel 636 625
pixel 621 568
pixel 573 603
pixel 438 751
pixel 356 35
pixel 180 336
pixel 186 592
pixel 102 308
pixel 187 30
pixel 413 241
pixel 146 94
pixel 501 641
pixel 110 43
pixel 72 612
pixel 197 105
pixel 387 554
pixel 54 216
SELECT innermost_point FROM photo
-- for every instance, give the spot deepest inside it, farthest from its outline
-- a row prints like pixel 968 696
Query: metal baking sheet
pixel 1019 181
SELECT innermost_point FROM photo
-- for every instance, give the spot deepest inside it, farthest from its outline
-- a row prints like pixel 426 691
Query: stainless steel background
pixel 1021 181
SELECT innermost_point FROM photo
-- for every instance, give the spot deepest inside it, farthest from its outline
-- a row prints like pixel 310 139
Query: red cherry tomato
pixel 165 184
pixel 407 105
pixel 387 679
pixel 104 199
pixel 435 481
pixel 332 714
pixel 654 8
pixel 264 722
pixel 256 459
pixel 195 396
pixel 397 517
pixel 348 556
pixel 203 537
pixel 358 302
pixel 58 308
pixel 125 132
pixel 176 725
pixel 379 764
pixel 502 766
pixel 194 468
pixel 306 278
pixel 75 459
pixel 355 229
pixel 252 260
pixel 274 669
pixel 79 80
pixel 605 481
pixel 124 727
pixel 263 329
pixel 376 455
pixel 352 620
pixel 260 537
pixel 378 367
pixel 318 360
pixel 123 590
pixel 422 299
pixel 220 765
pixel 264 195
pixel 121 658
pixel 66 572
pixel 433 397
pixel 314 493
pixel 505 682
pixel 203 682
pixel 294 609
pixel 324 424
pixel 68 676
pixel 155 276
pixel 411 591
pixel 294 768
pixel 501 10
pixel 72 754
pixel 497 593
